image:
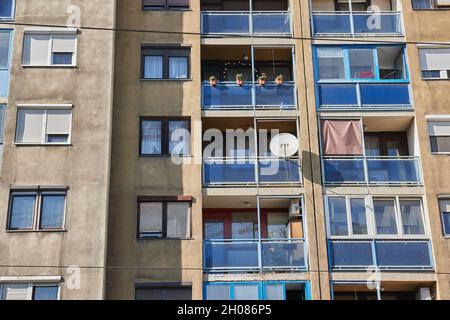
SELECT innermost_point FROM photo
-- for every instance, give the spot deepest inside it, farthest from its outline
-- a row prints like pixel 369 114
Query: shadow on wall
pixel 153 263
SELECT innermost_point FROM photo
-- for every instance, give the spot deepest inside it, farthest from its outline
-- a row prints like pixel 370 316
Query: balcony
pixel 369 78
pixel 363 96
pixel 392 254
pixel 219 171
pixel 372 170
pixel 254 255
pixel 246 18
pixel 229 95
pixel 230 84
pixel 245 23
pixel 356 24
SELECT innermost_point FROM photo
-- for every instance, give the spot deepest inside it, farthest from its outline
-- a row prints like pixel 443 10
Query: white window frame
pixel 37 211
pixel 370 217
pixel 32 282
pixel 51 32
pixel 2 123
pixel 444 74
pixel 45 108
pixel 436 118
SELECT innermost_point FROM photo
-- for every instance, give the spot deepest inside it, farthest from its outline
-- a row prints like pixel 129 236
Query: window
pixel 155 292
pixel 5 40
pixel 2 120
pixel 165 4
pixel 444 205
pixel 49 49
pixel 361 63
pixel 357 5
pixel 430 4
pixel 214 230
pixel 37 210
pixel 165 137
pixel 43 126
pixel 393 217
pixel 435 63
pixel 386 144
pixel 165 63
pixel 29 291
pixel 439 132
pixel 6 9
pixel 164 219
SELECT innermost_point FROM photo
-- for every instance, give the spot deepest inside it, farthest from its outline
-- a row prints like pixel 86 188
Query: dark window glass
pixel 45 293
pixel 22 211
pixel 165 4
pixel 62 58
pixel 165 63
pixel 6 8
pixel 176 293
pixel 440 143
pixel 52 211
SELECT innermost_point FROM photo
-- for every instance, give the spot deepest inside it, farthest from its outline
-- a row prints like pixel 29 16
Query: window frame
pixel 51 34
pixel 165 200
pixel 44 135
pixel 431 120
pixel 346 59
pixel 370 217
pixel 37 210
pixel 13 13
pixel 426 47
pixel 166 51
pixel 443 198
pixel 434 7
pixel 31 287
pixel 2 123
pixel 166 7
pixel 165 139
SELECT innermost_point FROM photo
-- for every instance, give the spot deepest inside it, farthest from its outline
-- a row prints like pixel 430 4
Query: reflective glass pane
pixel 359 220
pixel 246 292
pixel 385 220
pixel 337 214
pixel 361 63
pixel 412 216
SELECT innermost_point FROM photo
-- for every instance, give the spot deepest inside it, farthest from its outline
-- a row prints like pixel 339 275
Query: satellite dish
pixel 284 145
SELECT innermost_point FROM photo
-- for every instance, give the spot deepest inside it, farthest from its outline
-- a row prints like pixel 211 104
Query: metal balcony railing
pixel 367 96
pixel 388 254
pixel 371 170
pixel 276 23
pixel 254 255
pixel 356 24
pixel 219 171
pixel 229 95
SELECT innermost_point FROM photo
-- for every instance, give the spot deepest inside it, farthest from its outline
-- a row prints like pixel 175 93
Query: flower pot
pixel 279 82
pixel 213 83
pixel 262 82
pixel 240 82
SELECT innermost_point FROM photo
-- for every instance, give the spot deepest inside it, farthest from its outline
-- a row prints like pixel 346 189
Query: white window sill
pixel 56 66
pixel 24 144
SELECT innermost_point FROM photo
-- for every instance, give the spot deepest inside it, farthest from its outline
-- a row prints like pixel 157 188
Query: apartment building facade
pixel 125 171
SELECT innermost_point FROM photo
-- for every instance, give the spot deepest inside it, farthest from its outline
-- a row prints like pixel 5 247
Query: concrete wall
pixel 83 166
pixel 132 175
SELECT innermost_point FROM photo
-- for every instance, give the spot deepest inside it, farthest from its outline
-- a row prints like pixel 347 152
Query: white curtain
pixel 153 67
pixel 22 212
pixel 179 137
pixel 422 4
pixel 412 217
pixel 151 137
pixel 178 224
pixel 385 216
pixel 4 48
pixel 52 215
pixel 178 67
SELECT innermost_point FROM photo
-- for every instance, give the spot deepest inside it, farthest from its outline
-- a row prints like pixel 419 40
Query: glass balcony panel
pixel 225 23
pixel 226 96
pixel 377 23
pixel 403 254
pixel 344 170
pixel 271 23
pixel 231 254
pixel 279 171
pixel 393 171
pixel 335 95
pixel 278 96
pixel 351 254
pixel 325 23
pixel 385 95
pixel 229 171
pixel 283 254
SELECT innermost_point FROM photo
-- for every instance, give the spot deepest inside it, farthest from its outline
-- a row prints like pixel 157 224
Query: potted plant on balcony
pixel 279 80
pixel 239 79
pixel 212 81
pixel 262 79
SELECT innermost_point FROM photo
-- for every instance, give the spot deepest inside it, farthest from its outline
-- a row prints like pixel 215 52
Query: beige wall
pixel 83 166
pixel 131 176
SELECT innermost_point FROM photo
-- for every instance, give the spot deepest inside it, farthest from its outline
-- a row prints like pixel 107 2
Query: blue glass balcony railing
pixel 242 171
pixel 372 170
pixel 246 23
pixel 394 254
pixel 229 95
pixel 357 24
pixel 254 255
pixel 367 96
